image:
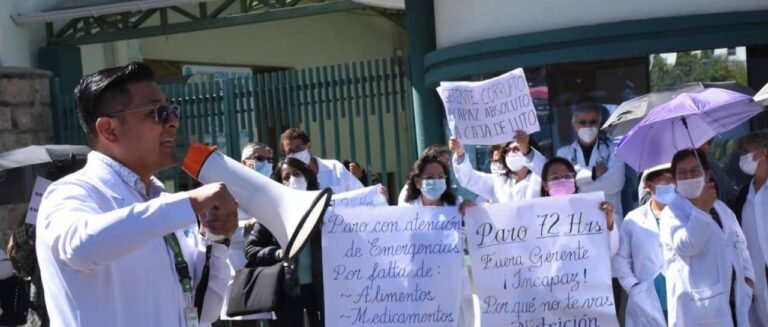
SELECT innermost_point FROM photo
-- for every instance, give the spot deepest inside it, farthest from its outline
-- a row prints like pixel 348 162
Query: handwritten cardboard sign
pixel 364 197
pixel 491 111
pixel 543 262
pixel 41 184
pixel 390 266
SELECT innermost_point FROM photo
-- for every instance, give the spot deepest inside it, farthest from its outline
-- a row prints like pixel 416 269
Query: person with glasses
pixel 112 245
pixel 751 209
pixel 295 143
pixel 708 268
pixel 592 156
pixel 519 176
pixel 258 156
pixel 639 264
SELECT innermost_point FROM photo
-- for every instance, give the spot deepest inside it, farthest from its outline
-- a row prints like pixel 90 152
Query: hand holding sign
pixel 489 112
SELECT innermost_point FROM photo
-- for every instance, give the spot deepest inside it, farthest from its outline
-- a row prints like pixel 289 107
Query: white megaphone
pixel 289 214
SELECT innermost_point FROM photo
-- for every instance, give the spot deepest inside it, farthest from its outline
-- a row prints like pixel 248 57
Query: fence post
pixel 231 130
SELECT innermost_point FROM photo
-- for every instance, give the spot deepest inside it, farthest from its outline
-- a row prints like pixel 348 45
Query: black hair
pixel 656 174
pixel 548 166
pixel 504 151
pixel 98 92
pixel 689 153
pixel 309 175
pixel 419 166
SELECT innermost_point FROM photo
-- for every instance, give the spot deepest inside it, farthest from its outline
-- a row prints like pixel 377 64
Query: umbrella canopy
pixel 762 96
pixel 688 120
pixel 19 168
pixel 630 112
pixel 37 154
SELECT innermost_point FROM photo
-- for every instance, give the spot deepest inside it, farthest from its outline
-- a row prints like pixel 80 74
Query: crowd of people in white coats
pixel 112 244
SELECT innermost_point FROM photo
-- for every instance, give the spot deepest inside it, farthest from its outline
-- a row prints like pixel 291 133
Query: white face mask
pixel 515 161
pixel 747 164
pixel 302 155
pixel 297 183
pixel 665 193
pixel 497 168
pixel 691 188
pixel 587 134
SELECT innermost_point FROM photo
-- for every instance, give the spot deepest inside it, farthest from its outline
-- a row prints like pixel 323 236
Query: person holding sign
pixel 708 267
pixel 639 262
pixel 558 179
pixel 303 289
pixel 591 155
pixel 427 186
pixel 439 151
pixel 520 181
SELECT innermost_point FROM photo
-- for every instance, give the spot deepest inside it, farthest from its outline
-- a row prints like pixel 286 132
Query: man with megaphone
pixel 113 247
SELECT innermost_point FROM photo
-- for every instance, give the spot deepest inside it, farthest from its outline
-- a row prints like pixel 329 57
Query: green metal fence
pixel 358 111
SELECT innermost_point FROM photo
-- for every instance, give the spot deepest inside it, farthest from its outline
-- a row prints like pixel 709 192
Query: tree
pixel 699 66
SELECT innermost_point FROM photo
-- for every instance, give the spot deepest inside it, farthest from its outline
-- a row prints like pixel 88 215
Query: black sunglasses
pixel 587 122
pixel 261 158
pixel 163 112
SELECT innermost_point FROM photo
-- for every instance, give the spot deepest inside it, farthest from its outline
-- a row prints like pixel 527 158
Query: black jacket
pixel 261 247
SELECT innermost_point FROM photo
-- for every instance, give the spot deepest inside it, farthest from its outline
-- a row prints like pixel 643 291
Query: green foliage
pixel 701 66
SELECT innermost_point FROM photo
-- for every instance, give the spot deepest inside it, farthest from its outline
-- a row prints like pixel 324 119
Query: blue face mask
pixel 665 193
pixel 433 188
pixel 263 167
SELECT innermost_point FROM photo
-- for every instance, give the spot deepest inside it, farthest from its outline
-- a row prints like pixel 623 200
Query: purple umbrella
pixel 689 120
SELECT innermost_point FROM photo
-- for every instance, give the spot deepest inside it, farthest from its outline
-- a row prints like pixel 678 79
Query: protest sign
pixel 543 262
pixel 491 111
pixel 41 184
pixel 389 266
pixel 364 197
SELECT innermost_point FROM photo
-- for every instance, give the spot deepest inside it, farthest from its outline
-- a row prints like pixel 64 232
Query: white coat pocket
pixel 710 305
pixel 643 307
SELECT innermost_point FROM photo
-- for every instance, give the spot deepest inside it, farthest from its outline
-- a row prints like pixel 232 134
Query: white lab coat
pixel 331 173
pixel 610 183
pixel 700 258
pixel 753 217
pixel 640 260
pixel 103 260
pixel 499 188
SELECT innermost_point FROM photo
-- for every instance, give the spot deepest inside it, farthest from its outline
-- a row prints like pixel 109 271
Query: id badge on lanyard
pixel 190 316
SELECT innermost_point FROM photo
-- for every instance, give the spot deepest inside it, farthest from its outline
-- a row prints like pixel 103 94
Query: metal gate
pixel 358 111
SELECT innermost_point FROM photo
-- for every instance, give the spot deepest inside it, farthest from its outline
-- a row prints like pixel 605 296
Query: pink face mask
pixel 562 187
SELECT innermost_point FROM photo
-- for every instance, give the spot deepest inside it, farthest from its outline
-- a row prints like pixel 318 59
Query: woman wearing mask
pixel 559 178
pixel 514 177
pixel 304 283
pixel 752 207
pixel 707 262
pixel 428 185
pixel 639 264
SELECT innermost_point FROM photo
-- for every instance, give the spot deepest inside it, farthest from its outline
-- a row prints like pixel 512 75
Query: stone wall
pixel 25 119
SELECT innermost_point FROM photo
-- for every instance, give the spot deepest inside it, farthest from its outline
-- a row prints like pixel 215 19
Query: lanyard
pixel 182 269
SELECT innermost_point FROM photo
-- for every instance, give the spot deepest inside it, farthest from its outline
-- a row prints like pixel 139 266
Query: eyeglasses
pixel 587 122
pixel 434 177
pixel 689 173
pixel 556 178
pixel 163 112
pixel 261 159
